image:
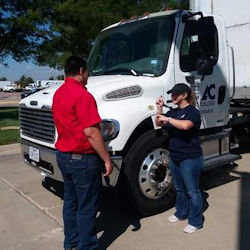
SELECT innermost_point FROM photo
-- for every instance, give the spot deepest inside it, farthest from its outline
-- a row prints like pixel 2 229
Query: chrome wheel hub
pixel 154 176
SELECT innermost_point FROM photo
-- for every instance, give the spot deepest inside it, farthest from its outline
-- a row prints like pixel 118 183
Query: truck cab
pixel 132 63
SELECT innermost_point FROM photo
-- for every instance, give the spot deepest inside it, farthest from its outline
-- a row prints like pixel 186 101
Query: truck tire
pixel 147 174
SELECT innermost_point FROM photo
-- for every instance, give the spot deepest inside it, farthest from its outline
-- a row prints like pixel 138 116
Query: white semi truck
pixel 131 64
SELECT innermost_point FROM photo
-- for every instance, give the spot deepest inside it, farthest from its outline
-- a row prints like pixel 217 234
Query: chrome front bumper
pixel 48 164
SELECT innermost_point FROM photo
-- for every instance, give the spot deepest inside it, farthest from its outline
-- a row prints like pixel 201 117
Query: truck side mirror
pixel 208 40
pixel 206 33
pixel 204 67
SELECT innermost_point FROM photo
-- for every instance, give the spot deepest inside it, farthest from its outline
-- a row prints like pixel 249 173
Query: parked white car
pixel 31 86
pixel 10 88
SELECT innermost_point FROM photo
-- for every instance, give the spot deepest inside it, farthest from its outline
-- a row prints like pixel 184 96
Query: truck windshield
pixel 140 48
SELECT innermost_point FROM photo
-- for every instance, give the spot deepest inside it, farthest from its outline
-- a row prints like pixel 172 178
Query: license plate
pixel 34 154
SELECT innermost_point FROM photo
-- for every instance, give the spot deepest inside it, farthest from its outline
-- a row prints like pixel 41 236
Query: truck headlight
pixel 110 129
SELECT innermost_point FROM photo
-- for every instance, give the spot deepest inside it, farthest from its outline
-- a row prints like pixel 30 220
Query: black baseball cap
pixel 179 89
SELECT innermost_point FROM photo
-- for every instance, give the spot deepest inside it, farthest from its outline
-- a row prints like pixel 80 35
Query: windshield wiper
pixel 122 70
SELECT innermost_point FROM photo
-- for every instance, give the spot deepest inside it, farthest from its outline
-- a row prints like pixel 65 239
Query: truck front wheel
pixel 147 173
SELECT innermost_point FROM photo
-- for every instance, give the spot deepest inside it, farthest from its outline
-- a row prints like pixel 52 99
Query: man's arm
pixel 94 136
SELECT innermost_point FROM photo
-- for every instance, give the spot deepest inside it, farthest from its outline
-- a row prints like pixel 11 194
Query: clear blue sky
pixel 16 70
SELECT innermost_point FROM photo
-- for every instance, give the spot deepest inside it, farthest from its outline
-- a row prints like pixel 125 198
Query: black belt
pixel 75 156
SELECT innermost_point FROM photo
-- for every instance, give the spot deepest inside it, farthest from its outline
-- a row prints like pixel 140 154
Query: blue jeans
pixel 82 186
pixel 188 201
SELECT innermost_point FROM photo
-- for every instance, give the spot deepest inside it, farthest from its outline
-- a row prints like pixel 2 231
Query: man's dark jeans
pixel 82 186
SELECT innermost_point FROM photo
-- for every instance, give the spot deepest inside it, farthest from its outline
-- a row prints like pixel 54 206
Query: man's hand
pixel 95 138
pixel 109 168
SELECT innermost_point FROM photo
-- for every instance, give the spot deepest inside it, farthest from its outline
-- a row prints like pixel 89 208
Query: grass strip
pixel 9 117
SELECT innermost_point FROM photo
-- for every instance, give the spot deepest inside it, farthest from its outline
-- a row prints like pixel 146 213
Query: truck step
pixel 220 160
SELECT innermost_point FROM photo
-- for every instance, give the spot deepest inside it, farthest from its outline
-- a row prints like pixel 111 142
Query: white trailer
pixel 132 63
pixel 10 87
pixel 237 24
pixel 47 83
pixel 3 84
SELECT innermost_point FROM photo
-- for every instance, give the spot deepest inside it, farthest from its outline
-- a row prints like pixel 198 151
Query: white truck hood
pixel 128 111
pixel 98 86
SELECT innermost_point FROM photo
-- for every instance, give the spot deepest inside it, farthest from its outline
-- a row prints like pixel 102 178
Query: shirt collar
pixel 71 80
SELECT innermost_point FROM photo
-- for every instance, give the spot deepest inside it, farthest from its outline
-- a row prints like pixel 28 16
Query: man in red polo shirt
pixel 80 156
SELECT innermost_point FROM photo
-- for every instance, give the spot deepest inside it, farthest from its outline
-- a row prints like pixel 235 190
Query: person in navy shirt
pixel 186 158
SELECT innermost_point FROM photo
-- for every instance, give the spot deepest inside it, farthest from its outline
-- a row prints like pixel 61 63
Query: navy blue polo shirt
pixel 184 144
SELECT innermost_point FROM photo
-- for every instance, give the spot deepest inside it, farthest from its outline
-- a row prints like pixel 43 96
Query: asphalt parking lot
pixel 9 99
pixel 30 216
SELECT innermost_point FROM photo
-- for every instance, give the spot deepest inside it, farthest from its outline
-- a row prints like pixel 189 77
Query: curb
pixel 10 128
pixel 10 149
pixel 9 102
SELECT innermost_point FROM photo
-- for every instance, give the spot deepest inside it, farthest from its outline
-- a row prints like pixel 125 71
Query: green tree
pixel 48 31
pixel 23 81
pixel 23 27
pixel 28 80
pixel 51 78
pixel 3 79
pixel 77 21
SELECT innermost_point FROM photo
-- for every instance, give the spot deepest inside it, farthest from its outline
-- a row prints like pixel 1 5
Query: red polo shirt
pixel 74 109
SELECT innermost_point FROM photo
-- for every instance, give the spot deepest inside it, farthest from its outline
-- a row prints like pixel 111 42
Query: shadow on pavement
pixel 114 217
pixel 244 212
pixel 55 187
pixel 217 177
pixel 226 174
pixel 117 215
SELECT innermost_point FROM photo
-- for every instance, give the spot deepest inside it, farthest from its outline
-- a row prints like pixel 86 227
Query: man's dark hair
pixel 73 65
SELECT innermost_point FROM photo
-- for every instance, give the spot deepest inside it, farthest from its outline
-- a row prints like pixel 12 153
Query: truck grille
pixel 37 124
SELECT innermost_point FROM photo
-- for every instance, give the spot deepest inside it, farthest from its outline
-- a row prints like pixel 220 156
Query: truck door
pixel 201 62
